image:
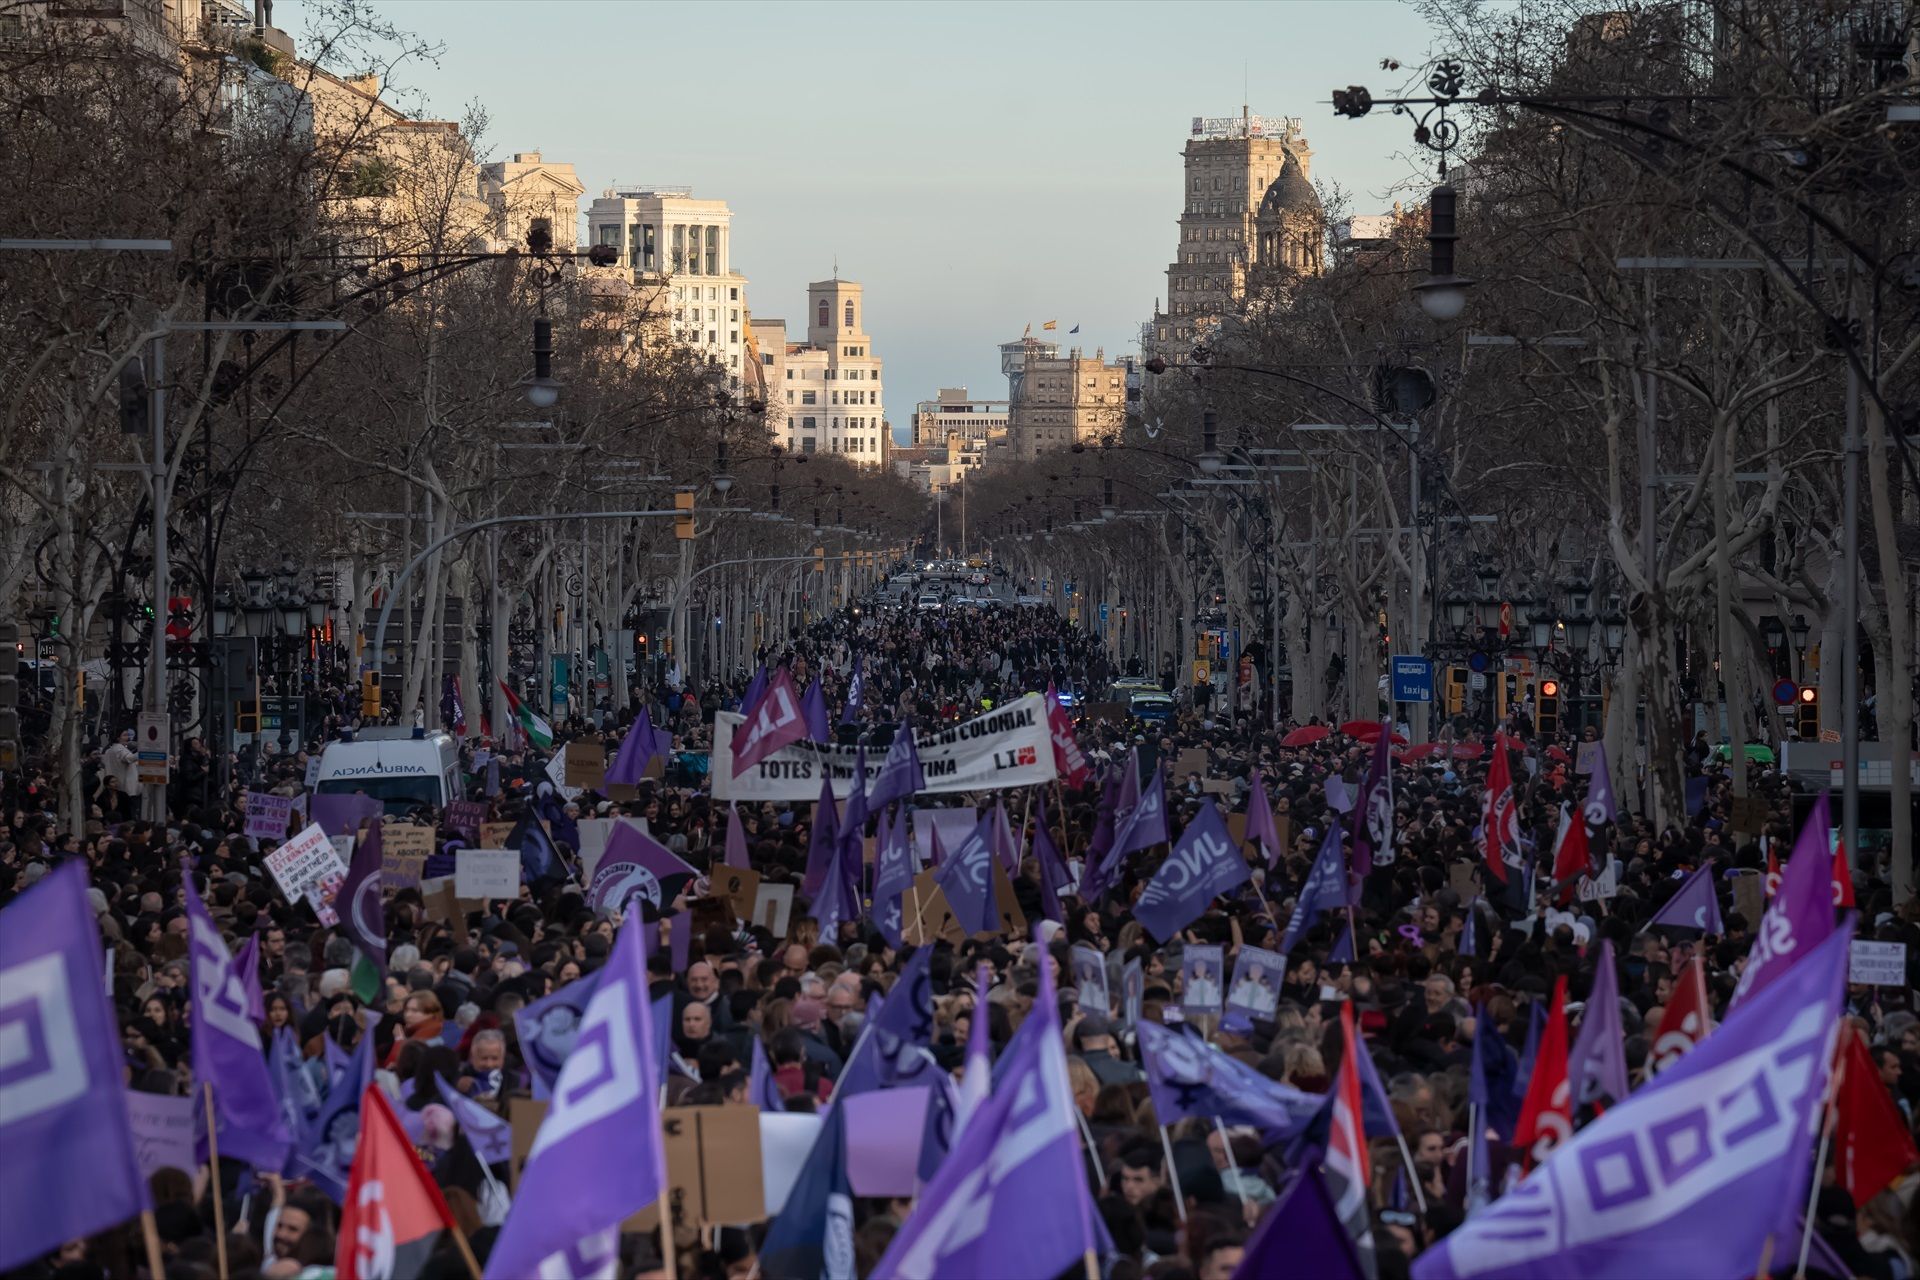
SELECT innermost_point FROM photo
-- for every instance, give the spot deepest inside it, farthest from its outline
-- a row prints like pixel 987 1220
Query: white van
pixel 399 766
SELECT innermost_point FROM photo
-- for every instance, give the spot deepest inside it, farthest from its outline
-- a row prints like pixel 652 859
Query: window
pixel 713 313
pixel 713 295
pixel 733 314
pixel 679 248
pixel 734 294
pixel 766 358
pixel 849 313
pixel 826 314
pixel 807 443
pixel 713 251
pixel 713 338
pixel 649 248
pixel 609 233
pixel 789 372
pixel 807 424
pixel 789 397
pixel 733 336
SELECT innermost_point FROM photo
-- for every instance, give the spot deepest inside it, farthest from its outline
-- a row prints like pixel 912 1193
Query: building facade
pixel 829 392
pixel 956 413
pixel 1063 399
pixel 1250 222
pixel 530 192
pixel 679 253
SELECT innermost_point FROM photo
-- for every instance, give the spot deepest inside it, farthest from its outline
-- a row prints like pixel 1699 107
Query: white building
pixel 678 248
pixel 956 413
pixel 830 394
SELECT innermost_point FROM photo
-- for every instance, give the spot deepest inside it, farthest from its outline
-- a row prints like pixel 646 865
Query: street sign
pixel 1785 691
pixel 1202 674
pixel 1476 682
pixel 1412 679
pixel 153 744
pixel 1476 662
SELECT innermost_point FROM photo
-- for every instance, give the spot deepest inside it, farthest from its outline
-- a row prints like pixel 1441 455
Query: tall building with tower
pixel 1250 222
pixel 828 389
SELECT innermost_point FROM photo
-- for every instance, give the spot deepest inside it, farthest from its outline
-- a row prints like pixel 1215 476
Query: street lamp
pixel 1774 634
pixel 1210 459
pixel 1443 294
pixel 1613 629
pixel 1457 610
pixel 541 390
pixel 721 480
pixel 1801 631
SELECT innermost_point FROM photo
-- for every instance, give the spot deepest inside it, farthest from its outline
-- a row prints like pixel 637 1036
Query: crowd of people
pixel 1444 961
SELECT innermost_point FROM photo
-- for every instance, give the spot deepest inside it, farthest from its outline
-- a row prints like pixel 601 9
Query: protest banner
pixel 268 815
pixel 486 873
pixel 1877 964
pixel 1009 746
pixel 464 817
pixel 308 867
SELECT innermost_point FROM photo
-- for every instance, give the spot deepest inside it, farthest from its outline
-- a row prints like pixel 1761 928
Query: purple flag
pixel 736 839
pixel 1325 889
pixel 328 1141
pixel 548 1028
pixel 1800 916
pixel 1597 1063
pixel 967 876
pixel 892 1048
pixel 598 1155
pixel 1202 866
pixel 892 874
pixel 339 815
pixel 1376 1112
pixel 226 1051
pixel 856 690
pixel 813 707
pixel 1689 1176
pixel 70 1168
pixel 824 841
pixel 680 945
pixel 1599 806
pixel 642 745
pixel 1005 847
pixel 851 847
pixel 362 917
pixel 1373 823
pixel 1469 943
pixel 1694 905
pixel 900 775
pixel 1188 1077
pixel 246 962
pixel 1260 828
pixel 635 864
pixel 978 1082
pixel 488 1133
pixel 1098 844
pixel 1302 1235
pixel 1053 868
pixel 1011 1197
pixel 755 688
pixel 1141 828
pixel 761 1090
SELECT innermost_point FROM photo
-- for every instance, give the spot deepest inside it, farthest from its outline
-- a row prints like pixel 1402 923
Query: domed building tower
pixel 1290 229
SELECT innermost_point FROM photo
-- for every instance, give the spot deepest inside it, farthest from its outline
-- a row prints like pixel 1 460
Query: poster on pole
pixel 1009 746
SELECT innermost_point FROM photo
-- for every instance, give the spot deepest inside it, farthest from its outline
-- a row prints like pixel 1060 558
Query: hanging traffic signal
pixel 683 517
pixel 370 695
pixel 1456 691
pixel 1546 709
pixel 1806 714
pixel 819 559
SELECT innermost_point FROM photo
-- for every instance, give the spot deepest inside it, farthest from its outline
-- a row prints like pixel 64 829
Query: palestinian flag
pixel 394 1213
pixel 538 731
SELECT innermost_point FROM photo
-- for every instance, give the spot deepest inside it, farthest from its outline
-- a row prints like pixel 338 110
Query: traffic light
pixel 370 695
pixel 1806 714
pixel 819 559
pixel 1456 691
pixel 1546 710
pixel 683 518
pixel 9 696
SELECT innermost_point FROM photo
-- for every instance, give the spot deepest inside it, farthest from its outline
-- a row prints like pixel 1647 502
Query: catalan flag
pixel 1051 324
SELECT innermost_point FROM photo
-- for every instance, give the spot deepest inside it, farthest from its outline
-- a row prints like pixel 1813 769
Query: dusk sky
pixel 978 167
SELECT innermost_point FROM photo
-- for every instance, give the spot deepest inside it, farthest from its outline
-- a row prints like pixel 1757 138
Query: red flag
pixel 1348 1140
pixel 1572 859
pixel 393 1211
pixel 1773 870
pixel 1068 760
pixel 1499 816
pixel 1842 876
pixel 1546 1117
pixel 1688 1018
pixel 775 722
pixel 1871 1144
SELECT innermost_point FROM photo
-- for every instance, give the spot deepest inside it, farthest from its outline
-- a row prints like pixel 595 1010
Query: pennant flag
pixel 1348 1170
pixel 978 1081
pixel 1687 1019
pixel 1597 1063
pixel 1691 1175
pixel 1469 943
pixel 226 1052
pixel 1373 827
pixel 642 744
pixel 70 1168
pixel 1095 858
pixel 1800 917
pixel 1053 868
pixel 1005 847
pixel 812 1236
pixel 539 859
pixel 1694 906
pixel 892 1048
pixel 1499 815
pixel 538 731
pixel 1842 876
pixel 1600 808
pixel 967 877
pixel 1201 867
pixel 246 962
pixel 634 867
pixel 598 1156
pixel 1140 827
pixel 736 839
pixel 293 1088
pixel 1011 1197
pixel 776 722
pixel 1325 888
pixel 1260 827
pixel 823 842
pixel 488 1133
pixel 1375 1108
pixel 756 688
pixel 362 917
pixel 893 874
pixel 1546 1118
pixel 394 1213
pixel 1051 324
pixel 1342 952
pixel 1871 1142
pixel 1188 1077
pixel 1302 1235
pixel 1075 329
pixel 900 774
pixel 761 1089
pixel 814 708
pixel 1572 858
pixel 856 691
pixel 325 1156
pixel 1069 761
pixel 548 1028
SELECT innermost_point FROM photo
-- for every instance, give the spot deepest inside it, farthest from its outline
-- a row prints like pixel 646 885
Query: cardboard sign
pixel 1283 831
pixel 1601 887
pixel 586 765
pixel 926 915
pixel 1237 832
pixel 1216 786
pixel 740 886
pixel 268 815
pixel 773 907
pixel 442 904
pixel 1585 754
pixel 406 840
pixel 1191 760
pixel 524 1115
pixel 1749 895
pixel 493 835
pixel 1460 876
pixel 1877 964
pixel 1748 815
pixel 305 866
pixel 402 870
pixel 713 1168
pixel 162 1132
pixel 486 873
pixel 594 834
pixel 1013 921
pixel 463 818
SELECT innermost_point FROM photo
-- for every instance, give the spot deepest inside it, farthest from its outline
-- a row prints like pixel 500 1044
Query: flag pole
pixel 1173 1176
pixel 1820 1161
pixel 1226 1145
pixel 1060 810
pixel 1413 1176
pixel 666 1233
pixel 466 1249
pixel 150 1232
pixel 213 1172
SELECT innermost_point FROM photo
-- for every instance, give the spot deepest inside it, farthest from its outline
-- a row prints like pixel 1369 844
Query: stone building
pixel 1063 399
pixel 826 395
pixel 678 251
pixel 531 191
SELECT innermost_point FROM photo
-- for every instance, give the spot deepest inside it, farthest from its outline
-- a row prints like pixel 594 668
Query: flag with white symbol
pixel 774 723
pixel 227 1053
pixel 393 1214
pixel 1201 867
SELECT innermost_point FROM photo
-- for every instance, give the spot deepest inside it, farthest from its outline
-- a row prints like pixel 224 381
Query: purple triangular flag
pixel 1800 916
pixel 825 840
pixel 755 688
pixel 813 708
pixel 226 1050
pixel 1302 1235
pixel 1260 828
pixel 736 839
pixel 1694 905
pixel 1597 1063
pixel 629 765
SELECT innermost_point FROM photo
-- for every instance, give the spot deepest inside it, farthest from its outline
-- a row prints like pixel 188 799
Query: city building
pixel 829 392
pixel 1014 356
pixel 1063 399
pixel 678 251
pixel 954 412
pixel 529 192
pixel 1250 223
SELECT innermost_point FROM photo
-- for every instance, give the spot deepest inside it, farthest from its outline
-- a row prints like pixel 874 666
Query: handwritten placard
pixel 162 1132
pixel 268 815
pixel 486 873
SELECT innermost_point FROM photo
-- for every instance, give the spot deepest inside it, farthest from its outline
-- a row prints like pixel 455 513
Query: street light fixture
pixel 1209 459
pixel 1613 628
pixel 541 390
pixel 1456 613
pixel 1443 294
pixel 1801 631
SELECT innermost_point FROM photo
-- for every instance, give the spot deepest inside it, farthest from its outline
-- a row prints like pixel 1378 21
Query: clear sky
pixel 976 166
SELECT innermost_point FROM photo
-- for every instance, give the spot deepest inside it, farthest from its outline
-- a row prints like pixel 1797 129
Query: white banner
pixel 1007 747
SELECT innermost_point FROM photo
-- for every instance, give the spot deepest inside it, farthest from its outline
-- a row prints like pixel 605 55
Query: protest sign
pixel 925 914
pixel 493 835
pixel 713 1168
pixel 406 839
pixel 586 765
pixel 740 887
pixel 594 833
pixel 1237 830
pixel 1460 875
pixel 1877 964
pixel 1601 887
pixel 557 773
pixel 1217 787
pixel 773 907
pixel 1190 760
pixel 1749 895
pixel 463 818
pixel 1747 815
pixel 268 815
pixel 486 873
pixel 313 772
pixel 308 866
pixel 1585 754
pixel 162 1132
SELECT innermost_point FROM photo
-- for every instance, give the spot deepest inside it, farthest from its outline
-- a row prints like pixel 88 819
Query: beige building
pixel 1250 222
pixel 954 412
pixel 1063 399
pixel 829 396
pixel 529 192
pixel 678 251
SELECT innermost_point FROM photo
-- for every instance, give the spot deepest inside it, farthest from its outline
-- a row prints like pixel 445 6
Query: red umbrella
pixel 1305 735
pixel 1560 754
pixel 1467 750
pixel 1420 752
pixel 1365 730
